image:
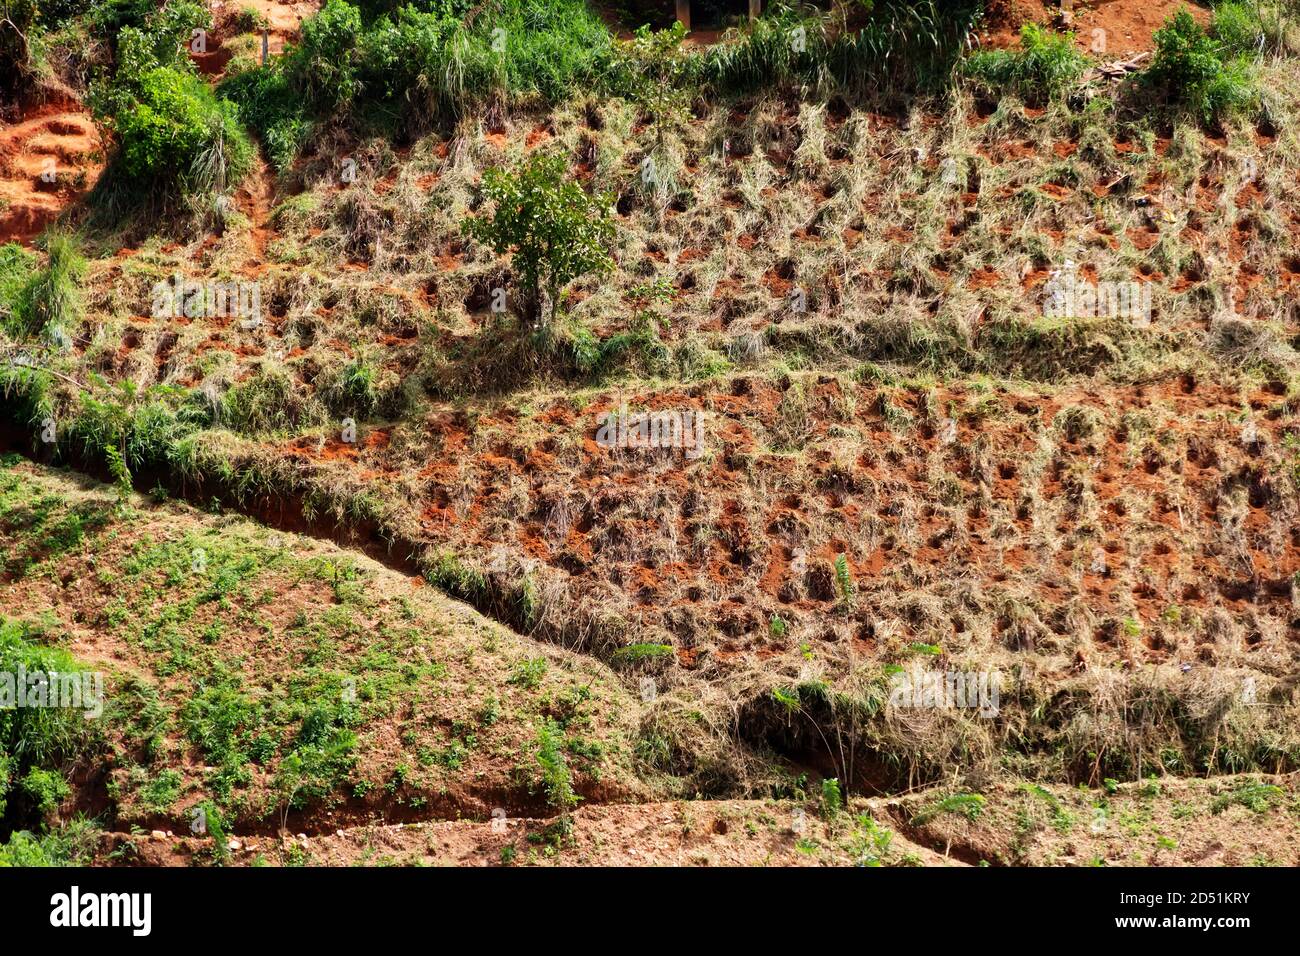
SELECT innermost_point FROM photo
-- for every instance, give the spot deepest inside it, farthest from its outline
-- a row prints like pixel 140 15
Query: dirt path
pixel 695 833
pixel 47 162
pixel 256 196
pixel 256 199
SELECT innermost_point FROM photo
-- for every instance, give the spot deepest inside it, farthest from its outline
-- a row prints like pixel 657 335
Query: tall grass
pixel 428 65
pixel 906 45
pixel 1045 65
pixel 49 301
pixel 903 46
pixel 34 737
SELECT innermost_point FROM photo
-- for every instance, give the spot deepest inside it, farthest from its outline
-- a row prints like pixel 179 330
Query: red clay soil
pixel 283 19
pixel 1129 24
pixel 47 160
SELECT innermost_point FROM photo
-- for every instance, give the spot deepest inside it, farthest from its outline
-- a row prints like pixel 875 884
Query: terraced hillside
pixel 994 369
pixel 271 698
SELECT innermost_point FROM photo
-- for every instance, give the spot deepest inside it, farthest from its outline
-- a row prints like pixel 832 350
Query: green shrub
pixel 404 52
pixel 324 64
pixel 832 801
pixel 551 47
pixel 110 18
pixel 557 781
pixel 72 845
pixel 1046 65
pixel 1194 71
pixel 46 789
pixel 1257 797
pixel 322 757
pixel 633 654
pixel 171 27
pixel 968 805
pixel 175 131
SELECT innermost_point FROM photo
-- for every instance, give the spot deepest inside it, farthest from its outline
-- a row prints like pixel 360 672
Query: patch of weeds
pixel 1046 65
pixel 968 805
pixel 71 845
pixel 528 673
pixel 557 781
pixel 869 843
pixel 555 835
pixel 161 792
pixel 1257 797
pixel 633 654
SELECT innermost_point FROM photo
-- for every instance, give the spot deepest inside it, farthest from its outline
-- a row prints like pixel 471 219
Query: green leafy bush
pixel 1046 64
pixel 557 780
pixel 46 789
pixel 110 18
pixel 174 130
pixel 72 845
pixel 1197 72
pixel 324 66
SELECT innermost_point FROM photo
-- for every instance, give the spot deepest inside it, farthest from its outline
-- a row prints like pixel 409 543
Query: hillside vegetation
pixel 990 350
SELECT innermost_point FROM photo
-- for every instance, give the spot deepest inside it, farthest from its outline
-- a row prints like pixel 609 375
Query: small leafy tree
pixel 655 70
pixel 555 231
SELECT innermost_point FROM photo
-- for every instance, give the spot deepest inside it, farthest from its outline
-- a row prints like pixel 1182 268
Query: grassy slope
pixel 283 619
pixel 229 647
